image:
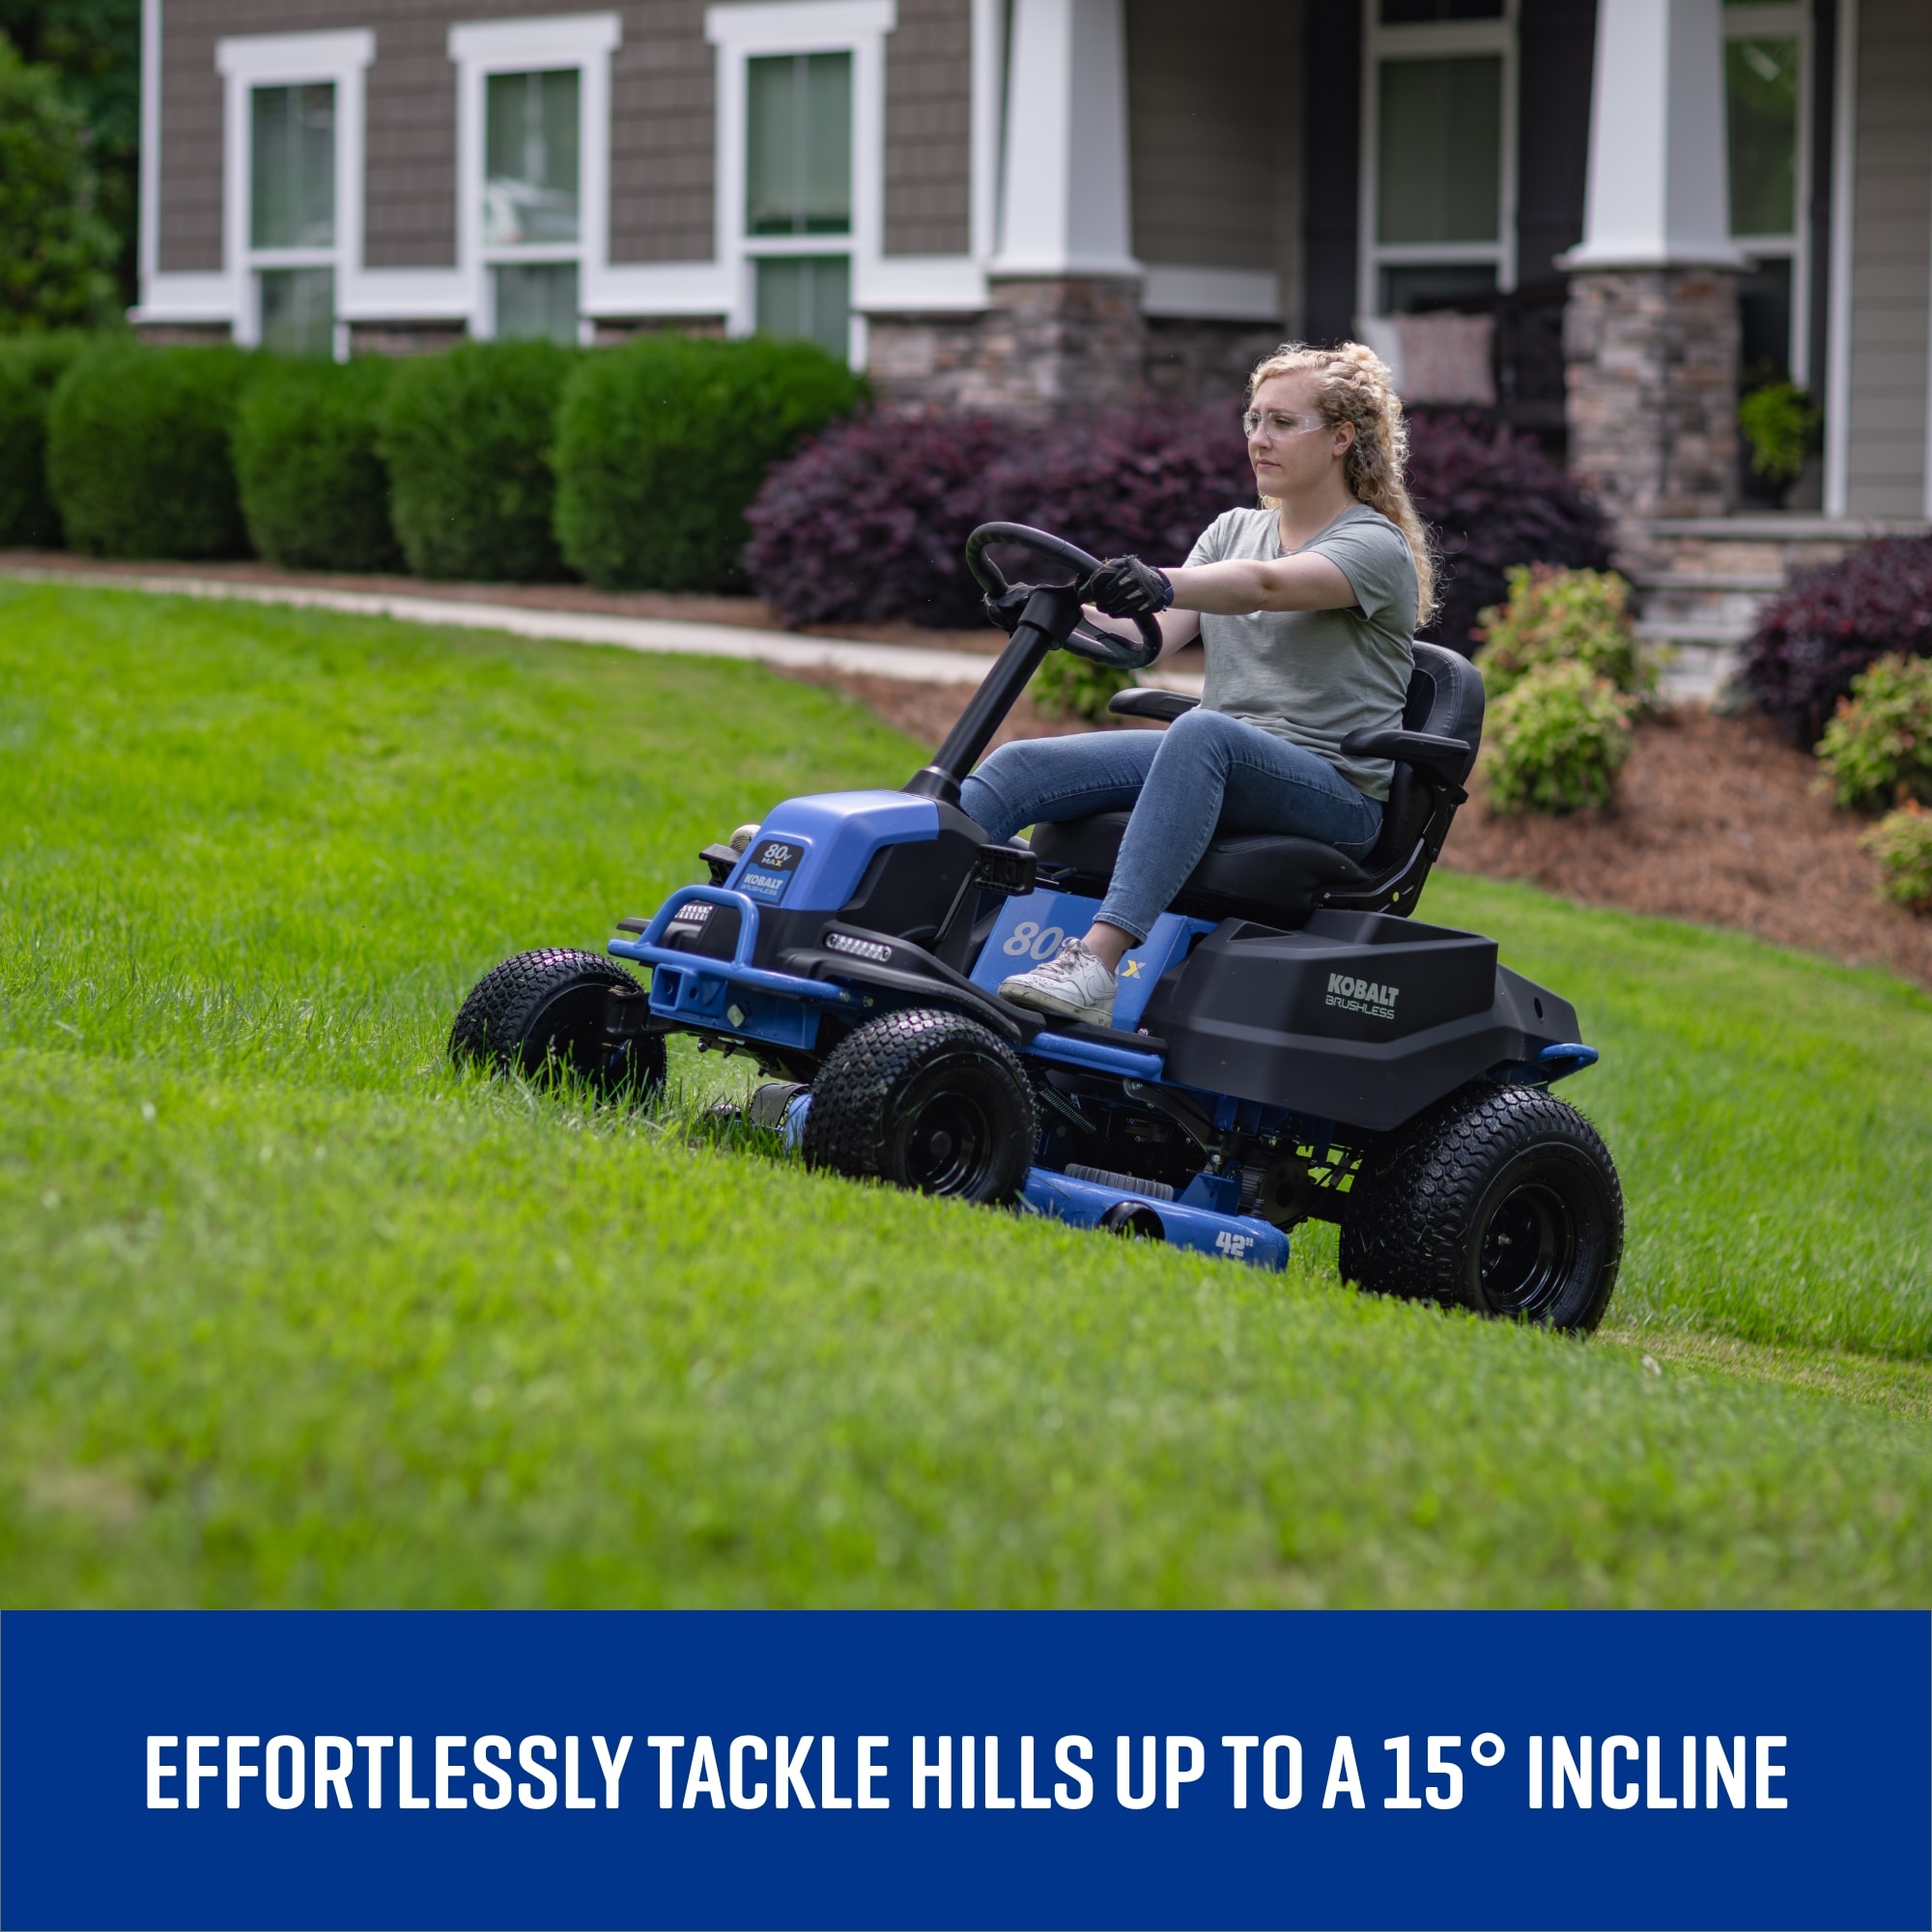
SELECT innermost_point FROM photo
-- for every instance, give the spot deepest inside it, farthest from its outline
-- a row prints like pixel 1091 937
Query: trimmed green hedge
pixel 30 365
pixel 661 445
pixel 137 451
pixel 466 438
pixel 314 492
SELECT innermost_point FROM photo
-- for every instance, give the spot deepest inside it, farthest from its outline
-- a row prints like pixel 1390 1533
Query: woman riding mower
pixel 1305 607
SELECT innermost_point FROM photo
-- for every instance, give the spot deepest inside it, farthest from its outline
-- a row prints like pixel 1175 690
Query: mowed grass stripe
pixel 290 1313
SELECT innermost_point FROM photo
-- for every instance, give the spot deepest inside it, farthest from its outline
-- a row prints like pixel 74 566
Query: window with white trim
pixel 292 199
pixel 533 146
pixel 1439 151
pixel 1766 110
pixel 800 87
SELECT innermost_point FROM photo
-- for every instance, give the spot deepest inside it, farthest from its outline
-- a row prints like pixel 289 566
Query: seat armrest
pixel 1446 760
pixel 1150 701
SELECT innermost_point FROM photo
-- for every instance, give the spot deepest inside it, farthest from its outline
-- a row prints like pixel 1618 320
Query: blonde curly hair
pixel 1352 384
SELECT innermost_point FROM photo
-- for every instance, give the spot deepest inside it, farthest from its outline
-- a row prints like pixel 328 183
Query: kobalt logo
pixel 860 949
pixel 1362 996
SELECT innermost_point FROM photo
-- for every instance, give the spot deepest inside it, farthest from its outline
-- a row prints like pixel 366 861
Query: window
pixel 801 167
pixel 293 215
pixel 798 183
pixel 533 153
pixel 1765 102
pixel 530 202
pixel 1438 161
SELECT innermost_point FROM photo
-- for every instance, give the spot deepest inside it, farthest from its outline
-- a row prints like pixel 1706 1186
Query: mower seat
pixel 1279 880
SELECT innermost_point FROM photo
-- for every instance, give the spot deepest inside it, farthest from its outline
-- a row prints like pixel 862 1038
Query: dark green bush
pixel 1067 686
pixel 30 365
pixel 466 439
pixel 314 492
pixel 137 451
pixel 661 445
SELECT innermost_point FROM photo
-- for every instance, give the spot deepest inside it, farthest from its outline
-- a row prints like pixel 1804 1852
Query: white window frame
pixel 247 62
pixel 744 30
pixel 1431 40
pixel 1785 19
pixel 560 41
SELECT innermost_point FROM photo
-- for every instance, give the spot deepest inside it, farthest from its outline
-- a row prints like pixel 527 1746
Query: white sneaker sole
pixel 1017 992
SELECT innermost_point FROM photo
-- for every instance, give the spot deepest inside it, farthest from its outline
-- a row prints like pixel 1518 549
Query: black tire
pixel 1503 1199
pixel 928 1102
pixel 541 1014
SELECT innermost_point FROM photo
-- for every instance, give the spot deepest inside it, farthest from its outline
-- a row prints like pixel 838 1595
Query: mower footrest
pixel 1087 1204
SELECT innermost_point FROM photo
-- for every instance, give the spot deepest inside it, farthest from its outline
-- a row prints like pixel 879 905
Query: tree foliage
pixel 56 252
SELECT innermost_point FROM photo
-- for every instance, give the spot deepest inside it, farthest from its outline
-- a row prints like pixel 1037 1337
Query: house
pixel 1591 217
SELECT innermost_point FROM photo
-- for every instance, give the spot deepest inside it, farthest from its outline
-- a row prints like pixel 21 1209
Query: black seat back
pixel 1445 697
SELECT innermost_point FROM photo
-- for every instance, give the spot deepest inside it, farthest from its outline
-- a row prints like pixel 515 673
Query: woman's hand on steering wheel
pixel 1102 647
pixel 1124 587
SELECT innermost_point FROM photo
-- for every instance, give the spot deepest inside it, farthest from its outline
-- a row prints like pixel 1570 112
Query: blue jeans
pixel 1206 772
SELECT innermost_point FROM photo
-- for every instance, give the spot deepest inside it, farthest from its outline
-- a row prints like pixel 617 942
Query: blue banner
pixel 965 1769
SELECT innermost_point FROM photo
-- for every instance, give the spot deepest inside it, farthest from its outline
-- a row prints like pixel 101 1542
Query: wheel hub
pixel 1527 1249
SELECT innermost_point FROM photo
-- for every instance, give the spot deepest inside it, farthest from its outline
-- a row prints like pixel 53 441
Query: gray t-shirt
pixel 1314 677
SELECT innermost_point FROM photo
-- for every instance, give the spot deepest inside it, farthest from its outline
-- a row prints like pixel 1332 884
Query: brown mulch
pixel 1716 822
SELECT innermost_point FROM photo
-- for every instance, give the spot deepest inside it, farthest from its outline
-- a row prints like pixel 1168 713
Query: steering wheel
pixel 1100 647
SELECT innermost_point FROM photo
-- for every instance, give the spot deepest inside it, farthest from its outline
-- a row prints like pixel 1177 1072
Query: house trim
pixel 1845 201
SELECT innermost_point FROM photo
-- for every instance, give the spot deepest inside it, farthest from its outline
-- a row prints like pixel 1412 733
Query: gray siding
pixel 929 128
pixel 661 124
pixel 1205 88
pixel 1891 261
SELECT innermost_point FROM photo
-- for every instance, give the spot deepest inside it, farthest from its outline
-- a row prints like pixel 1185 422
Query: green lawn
pixel 290 1312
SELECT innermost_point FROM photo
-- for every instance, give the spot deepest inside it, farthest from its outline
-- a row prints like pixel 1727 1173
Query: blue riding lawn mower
pixel 1288 1043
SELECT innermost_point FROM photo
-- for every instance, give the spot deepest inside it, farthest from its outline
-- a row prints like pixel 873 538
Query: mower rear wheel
pixel 542 1013
pixel 928 1102
pixel 1503 1199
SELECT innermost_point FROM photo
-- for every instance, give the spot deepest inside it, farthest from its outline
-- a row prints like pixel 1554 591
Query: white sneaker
pixel 1073 985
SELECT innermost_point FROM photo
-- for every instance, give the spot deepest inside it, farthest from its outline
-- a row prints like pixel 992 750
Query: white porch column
pixel 1065 203
pixel 1651 330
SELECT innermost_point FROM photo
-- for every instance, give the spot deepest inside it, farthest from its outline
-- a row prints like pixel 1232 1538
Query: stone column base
pixel 1651 359
pixel 1064 342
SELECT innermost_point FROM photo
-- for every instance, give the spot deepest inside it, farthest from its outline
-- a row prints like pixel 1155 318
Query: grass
pixel 290 1312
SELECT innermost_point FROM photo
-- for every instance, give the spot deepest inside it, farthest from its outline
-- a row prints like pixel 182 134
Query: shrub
pixel 1560 616
pixel 1067 686
pixel 1879 746
pixel 1901 843
pixel 314 492
pixel 1555 741
pixel 137 451
pixel 466 439
pixel 1814 640
pixel 661 445
pixel 869 521
pixel 1777 422
pixel 56 253
pixel 30 365
pixel 1496 499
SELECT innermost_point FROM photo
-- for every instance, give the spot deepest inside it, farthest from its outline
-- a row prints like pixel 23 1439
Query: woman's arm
pixel 1238 587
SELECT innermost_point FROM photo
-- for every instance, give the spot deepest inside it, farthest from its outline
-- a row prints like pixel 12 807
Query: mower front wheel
pixel 926 1100
pixel 1502 1200
pixel 542 1013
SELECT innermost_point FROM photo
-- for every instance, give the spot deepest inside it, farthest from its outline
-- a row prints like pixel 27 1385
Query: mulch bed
pixel 1716 822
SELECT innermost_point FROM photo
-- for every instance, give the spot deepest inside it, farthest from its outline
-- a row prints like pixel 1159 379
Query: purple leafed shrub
pixel 868 523
pixel 1494 499
pixel 1832 622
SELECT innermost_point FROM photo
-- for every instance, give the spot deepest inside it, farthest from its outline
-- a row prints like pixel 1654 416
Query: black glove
pixel 1124 587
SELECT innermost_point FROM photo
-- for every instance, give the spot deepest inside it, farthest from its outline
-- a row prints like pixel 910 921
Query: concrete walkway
pixel 783 650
